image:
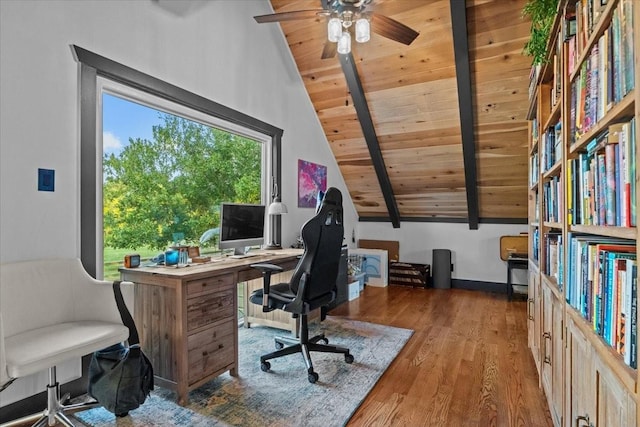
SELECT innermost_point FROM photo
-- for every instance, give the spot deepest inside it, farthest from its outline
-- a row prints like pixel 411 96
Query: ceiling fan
pixel 342 15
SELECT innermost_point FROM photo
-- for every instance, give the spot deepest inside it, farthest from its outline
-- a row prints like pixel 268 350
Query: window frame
pixel 93 67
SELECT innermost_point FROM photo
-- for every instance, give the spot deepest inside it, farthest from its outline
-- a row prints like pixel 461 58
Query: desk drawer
pixel 208 308
pixel 210 350
pixel 209 284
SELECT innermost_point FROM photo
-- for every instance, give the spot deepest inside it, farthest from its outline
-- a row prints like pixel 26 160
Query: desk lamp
pixel 276 208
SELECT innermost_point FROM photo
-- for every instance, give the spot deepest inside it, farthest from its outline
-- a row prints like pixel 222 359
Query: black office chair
pixel 312 286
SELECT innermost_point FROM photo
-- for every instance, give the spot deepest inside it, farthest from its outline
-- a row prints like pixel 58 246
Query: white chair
pixel 51 311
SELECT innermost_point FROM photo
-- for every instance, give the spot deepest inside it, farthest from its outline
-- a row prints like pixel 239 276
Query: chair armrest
pixel 94 299
pixel 267 270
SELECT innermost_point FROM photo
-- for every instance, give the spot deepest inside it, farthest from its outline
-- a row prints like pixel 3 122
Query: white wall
pixel 475 254
pixel 213 48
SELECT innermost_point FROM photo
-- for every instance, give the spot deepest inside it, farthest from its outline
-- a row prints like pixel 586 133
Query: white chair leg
pixel 56 410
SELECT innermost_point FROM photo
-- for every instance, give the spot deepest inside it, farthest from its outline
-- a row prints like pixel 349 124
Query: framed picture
pixel 312 178
pixel 374 263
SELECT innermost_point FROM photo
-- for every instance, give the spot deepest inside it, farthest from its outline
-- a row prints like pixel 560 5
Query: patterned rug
pixel 283 396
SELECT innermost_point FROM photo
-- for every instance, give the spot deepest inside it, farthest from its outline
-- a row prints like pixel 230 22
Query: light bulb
pixel 344 43
pixel 363 33
pixel 334 30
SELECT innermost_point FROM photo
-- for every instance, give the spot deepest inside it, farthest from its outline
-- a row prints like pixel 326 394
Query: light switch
pixel 46 179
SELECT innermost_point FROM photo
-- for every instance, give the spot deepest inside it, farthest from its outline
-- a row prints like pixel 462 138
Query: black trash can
pixel 441 269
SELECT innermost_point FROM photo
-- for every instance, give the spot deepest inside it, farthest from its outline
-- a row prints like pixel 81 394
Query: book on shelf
pixel 570 192
pixel 533 80
pixel 553 251
pixel 609 189
pixel 601 177
pixel 573 100
pixel 600 286
pixel 625 292
pixel 632 171
pixel 608 287
pixel 629 44
pixel 633 339
pixel 612 282
pixel 569 25
pixel 601 190
pixel 606 75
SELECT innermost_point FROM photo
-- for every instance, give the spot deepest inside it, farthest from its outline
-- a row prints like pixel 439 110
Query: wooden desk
pixel 187 318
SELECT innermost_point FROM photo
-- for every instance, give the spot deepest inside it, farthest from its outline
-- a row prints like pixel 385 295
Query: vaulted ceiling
pixel 433 131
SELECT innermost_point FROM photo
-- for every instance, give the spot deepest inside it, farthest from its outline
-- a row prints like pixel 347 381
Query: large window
pixel 165 171
pixel 183 116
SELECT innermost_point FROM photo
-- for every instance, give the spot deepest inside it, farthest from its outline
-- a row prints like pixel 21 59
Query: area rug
pixel 283 396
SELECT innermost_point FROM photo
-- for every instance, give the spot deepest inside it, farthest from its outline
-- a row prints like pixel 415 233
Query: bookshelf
pixel 583 197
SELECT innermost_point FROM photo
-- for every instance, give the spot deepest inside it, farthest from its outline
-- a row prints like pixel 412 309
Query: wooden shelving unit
pixel 580 346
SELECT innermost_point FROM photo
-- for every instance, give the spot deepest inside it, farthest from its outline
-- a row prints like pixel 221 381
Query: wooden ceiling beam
pixel 465 105
pixel 364 115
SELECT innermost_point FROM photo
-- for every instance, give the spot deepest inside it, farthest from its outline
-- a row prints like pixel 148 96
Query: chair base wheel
pixel 265 366
pixel 312 377
pixel 348 358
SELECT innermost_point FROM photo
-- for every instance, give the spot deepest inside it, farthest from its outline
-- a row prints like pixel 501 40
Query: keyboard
pixel 242 256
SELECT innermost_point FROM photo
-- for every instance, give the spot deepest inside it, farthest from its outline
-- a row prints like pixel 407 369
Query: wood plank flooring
pixel 467 363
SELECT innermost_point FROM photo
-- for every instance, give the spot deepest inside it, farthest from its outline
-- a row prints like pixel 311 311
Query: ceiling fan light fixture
pixel 334 30
pixel 344 43
pixel 363 30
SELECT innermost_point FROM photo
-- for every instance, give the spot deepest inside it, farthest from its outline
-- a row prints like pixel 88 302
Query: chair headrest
pixel 333 196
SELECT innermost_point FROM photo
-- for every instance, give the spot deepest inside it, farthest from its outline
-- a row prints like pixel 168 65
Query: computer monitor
pixel 241 225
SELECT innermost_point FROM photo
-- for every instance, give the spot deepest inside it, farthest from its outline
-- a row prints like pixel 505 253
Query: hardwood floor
pixel 467 363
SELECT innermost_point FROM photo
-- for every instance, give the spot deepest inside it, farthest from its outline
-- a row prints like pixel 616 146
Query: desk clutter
pixel 379 261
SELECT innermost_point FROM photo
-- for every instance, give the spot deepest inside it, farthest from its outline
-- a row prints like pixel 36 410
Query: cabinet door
pixel 616 406
pixel 557 358
pixel 545 340
pixel 580 371
pixel 552 353
pixel 534 319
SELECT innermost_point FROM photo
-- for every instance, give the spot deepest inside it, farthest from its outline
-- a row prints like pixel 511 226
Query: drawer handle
pixel 547 358
pixel 220 346
pixel 584 418
pixel 529 309
pixel 205 353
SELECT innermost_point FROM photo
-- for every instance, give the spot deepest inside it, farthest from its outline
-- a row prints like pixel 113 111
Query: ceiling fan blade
pixel 288 16
pixel 392 29
pixel 329 50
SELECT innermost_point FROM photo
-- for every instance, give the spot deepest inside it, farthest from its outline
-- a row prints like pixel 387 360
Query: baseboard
pixel 477 285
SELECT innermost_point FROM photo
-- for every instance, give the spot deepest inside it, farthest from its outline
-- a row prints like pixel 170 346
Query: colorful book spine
pixel 634 319
pixel 609 189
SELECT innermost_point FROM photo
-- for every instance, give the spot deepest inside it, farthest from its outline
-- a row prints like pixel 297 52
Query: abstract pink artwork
pixel 311 179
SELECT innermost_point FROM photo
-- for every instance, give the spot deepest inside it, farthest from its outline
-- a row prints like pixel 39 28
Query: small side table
pixel 518 262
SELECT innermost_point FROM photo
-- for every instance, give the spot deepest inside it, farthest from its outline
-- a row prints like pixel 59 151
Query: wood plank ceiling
pixel 412 96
